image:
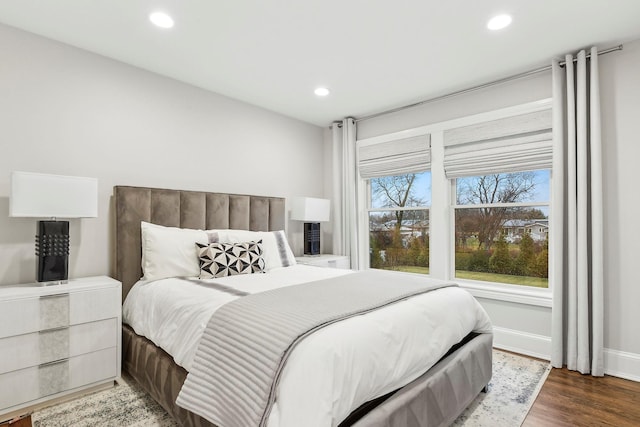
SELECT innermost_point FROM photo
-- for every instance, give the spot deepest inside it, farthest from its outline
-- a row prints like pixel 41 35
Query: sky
pixel 422 188
pixel 540 191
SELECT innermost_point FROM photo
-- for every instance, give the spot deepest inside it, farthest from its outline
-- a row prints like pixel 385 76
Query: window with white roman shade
pixel 465 199
pixel 512 144
pixel 396 157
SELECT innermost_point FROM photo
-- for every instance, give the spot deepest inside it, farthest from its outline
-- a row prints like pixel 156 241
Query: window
pixel 501 228
pixel 480 198
pixel 399 222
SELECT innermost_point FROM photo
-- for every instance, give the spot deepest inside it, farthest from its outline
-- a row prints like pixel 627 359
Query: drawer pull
pixel 55 362
pixel 65 294
pixel 59 328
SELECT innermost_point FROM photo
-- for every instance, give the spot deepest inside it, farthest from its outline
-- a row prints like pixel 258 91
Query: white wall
pixel 620 93
pixel 528 328
pixel 66 111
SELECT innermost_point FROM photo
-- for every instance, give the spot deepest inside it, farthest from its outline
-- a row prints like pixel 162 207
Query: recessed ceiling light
pixel 321 91
pixel 499 22
pixel 161 19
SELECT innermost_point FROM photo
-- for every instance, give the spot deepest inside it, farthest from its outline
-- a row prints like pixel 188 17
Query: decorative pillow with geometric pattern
pixel 230 259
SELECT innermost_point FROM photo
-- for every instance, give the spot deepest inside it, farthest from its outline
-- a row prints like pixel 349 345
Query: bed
pixel 435 398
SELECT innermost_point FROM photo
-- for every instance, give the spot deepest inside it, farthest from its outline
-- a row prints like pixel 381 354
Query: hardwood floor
pixel 571 399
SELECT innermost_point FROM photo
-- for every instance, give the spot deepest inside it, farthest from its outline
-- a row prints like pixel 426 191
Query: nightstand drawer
pixel 23 351
pixel 339 263
pixel 54 310
pixel 29 384
pixel 325 260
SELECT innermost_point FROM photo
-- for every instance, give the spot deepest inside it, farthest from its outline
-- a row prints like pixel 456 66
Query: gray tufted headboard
pixel 184 209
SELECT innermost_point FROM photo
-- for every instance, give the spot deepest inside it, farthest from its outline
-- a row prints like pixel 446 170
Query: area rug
pixel 126 404
pixel 515 384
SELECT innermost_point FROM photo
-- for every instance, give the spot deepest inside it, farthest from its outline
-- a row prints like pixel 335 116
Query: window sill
pixel 511 293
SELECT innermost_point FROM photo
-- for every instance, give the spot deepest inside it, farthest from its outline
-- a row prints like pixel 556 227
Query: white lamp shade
pixel 309 209
pixel 53 196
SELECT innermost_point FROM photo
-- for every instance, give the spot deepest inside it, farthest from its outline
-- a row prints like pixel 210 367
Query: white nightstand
pixel 325 260
pixel 58 340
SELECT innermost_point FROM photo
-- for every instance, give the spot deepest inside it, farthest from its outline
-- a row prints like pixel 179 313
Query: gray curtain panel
pixel 577 243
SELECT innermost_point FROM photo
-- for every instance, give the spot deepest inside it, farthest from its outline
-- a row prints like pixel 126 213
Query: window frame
pixel 442 211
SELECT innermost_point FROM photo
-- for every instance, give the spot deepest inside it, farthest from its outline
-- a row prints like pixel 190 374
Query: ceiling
pixel 373 55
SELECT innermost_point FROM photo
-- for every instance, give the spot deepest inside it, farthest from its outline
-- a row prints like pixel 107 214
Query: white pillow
pixel 170 251
pixel 277 252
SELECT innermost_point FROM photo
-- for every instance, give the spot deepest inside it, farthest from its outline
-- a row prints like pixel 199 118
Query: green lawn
pixel 411 269
pixel 537 282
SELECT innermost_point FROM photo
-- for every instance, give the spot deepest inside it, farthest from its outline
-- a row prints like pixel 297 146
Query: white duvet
pixel 333 371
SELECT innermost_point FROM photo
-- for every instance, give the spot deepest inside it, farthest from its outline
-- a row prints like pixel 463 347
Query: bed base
pixel 434 399
pixel 439 396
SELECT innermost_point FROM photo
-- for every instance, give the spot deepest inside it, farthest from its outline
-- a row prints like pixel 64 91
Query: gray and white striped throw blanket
pixel 247 341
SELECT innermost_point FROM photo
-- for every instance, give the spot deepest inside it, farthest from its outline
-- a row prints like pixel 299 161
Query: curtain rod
pixel 482 86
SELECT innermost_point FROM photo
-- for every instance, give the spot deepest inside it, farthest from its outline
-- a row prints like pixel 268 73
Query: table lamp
pixel 312 211
pixel 52 196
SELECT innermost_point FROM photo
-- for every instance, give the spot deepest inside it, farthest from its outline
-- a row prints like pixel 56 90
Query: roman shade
pixel 512 144
pixel 396 157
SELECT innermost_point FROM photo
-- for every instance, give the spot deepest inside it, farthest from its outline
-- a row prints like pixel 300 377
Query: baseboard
pixel 525 343
pixel 616 363
pixel 622 364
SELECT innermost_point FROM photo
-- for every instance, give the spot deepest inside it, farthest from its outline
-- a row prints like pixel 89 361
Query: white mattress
pixel 335 370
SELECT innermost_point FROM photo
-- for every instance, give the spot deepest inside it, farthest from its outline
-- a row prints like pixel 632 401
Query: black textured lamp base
pixel 312 238
pixel 52 250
